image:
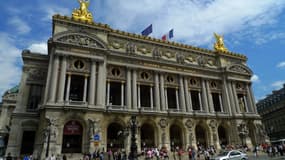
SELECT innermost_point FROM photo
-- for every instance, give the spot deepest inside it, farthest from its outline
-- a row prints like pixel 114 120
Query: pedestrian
pixel 64 157
pixel 9 157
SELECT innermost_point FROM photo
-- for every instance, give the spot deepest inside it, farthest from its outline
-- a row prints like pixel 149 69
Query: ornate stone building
pixel 95 78
pixel 272 110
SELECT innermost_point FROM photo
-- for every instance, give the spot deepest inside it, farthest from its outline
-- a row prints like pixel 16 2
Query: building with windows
pixel 81 96
pixel 272 110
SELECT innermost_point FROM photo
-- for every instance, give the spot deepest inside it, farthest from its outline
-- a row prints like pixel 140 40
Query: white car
pixel 231 155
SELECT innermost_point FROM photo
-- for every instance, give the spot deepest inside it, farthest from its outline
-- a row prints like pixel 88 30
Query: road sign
pixel 96 137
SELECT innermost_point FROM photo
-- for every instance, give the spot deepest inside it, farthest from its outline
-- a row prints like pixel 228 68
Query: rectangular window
pixel 216 102
pixel 76 88
pixel 195 100
pixel 171 98
pixel 115 93
pixel 35 96
pixel 145 95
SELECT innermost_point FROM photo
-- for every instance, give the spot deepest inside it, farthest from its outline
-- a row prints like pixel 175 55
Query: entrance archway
pixel 201 137
pixel 114 138
pixel 147 136
pixel 176 136
pixel 72 137
pixel 223 136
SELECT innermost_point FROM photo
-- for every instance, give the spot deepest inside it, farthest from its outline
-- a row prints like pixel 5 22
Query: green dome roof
pixel 15 89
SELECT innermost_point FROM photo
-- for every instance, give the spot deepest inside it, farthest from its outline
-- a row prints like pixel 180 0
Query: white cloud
pixel 255 78
pixel 10 69
pixel 21 26
pixel 193 21
pixel 278 84
pixel 39 47
pixel 51 10
pixel 281 64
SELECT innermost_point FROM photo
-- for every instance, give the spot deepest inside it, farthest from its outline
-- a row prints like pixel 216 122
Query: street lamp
pixel 133 125
pixel 47 134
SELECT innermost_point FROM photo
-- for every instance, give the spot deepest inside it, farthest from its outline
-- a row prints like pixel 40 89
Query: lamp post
pixel 133 154
pixel 47 133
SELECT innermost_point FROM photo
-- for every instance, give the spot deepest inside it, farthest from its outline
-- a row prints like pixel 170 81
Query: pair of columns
pixel 57 82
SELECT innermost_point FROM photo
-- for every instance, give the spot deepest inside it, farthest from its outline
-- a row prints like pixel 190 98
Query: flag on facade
pixel 147 31
pixel 168 35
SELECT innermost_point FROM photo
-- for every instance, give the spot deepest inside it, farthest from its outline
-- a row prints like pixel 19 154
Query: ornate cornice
pixel 123 34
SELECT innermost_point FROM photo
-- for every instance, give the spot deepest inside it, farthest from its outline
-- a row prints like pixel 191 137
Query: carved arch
pixel 80 39
pixel 238 68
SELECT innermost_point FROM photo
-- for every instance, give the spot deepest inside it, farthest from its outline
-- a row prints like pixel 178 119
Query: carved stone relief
pixel 180 58
pixel 163 123
pixel 80 40
pixel 130 48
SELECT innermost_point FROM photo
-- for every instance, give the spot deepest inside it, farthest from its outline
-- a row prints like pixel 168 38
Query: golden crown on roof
pixel 82 13
pixel 219 44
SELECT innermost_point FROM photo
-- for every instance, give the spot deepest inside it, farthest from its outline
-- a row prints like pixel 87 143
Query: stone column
pixel 156 92
pixel 122 94
pixel 139 95
pixel 187 96
pixel 231 99
pixel 92 83
pixel 200 101
pixel 221 102
pixel 54 79
pixel 210 99
pixel 235 98
pixel 135 102
pixel 162 93
pixel 129 89
pixel 166 99
pixel 226 99
pixel 204 97
pixel 62 80
pixel 151 97
pixel 48 83
pixel 68 87
pixel 252 99
pixel 251 104
pixel 85 88
pixel 108 93
pixel 101 84
pixel 245 103
pixel 182 94
pixel 177 99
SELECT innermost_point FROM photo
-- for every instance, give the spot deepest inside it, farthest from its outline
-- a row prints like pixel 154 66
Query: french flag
pixel 168 36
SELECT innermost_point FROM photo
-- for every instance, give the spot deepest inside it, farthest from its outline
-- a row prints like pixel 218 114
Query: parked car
pixel 231 155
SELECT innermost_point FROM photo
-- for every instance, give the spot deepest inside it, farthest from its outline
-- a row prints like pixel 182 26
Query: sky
pixel 255 28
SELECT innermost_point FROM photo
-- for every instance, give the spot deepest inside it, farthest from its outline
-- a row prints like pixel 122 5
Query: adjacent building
pixel 81 95
pixel 272 110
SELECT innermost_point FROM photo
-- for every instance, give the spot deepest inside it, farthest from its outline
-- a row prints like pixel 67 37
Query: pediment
pixel 238 68
pixel 80 39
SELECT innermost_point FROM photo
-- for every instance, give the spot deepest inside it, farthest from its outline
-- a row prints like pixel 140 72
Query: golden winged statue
pixel 219 44
pixel 82 13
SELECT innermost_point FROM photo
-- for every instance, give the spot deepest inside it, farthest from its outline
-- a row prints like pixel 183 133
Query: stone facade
pixel 95 78
pixel 272 110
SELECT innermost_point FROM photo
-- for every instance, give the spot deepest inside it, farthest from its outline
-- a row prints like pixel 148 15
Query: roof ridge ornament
pixel 219 44
pixel 82 13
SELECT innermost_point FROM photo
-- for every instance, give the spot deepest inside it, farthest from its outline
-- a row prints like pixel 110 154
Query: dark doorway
pixel 114 139
pixel 195 100
pixel 72 137
pixel 171 98
pixel 201 136
pixel 28 141
pixel 222 136
pixel 147 136
pixel 216 102
pixel 176 137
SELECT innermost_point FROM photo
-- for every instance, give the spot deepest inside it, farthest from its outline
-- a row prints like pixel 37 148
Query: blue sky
pixel 255 28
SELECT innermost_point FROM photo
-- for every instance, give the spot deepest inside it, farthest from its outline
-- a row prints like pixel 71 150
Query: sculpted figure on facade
pixel 131 48
pixel 82 13
pixel 52 126
pixel 93 127
pixel 156 53
pixel 219 44
pixel 180 58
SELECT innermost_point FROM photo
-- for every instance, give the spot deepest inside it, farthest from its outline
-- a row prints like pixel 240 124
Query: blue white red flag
pixel 168 35
pixel 147 31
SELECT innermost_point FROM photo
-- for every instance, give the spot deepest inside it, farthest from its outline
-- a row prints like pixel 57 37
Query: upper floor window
pixel 35 96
